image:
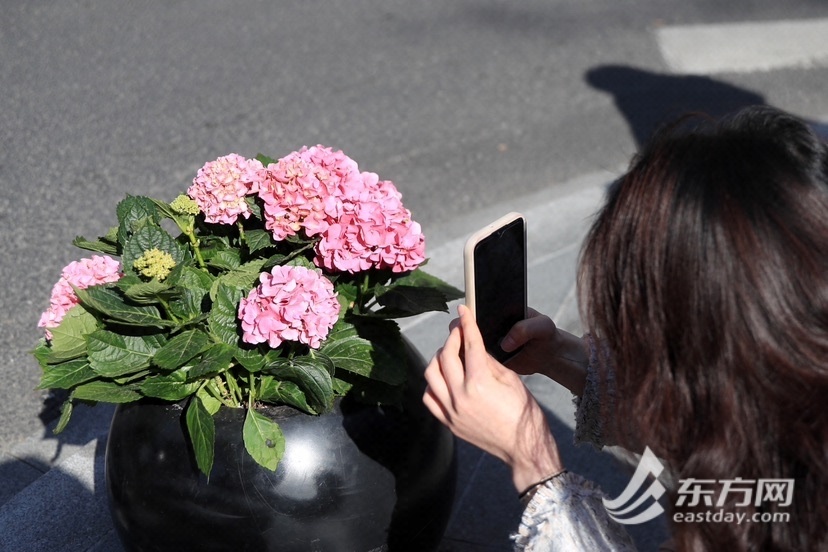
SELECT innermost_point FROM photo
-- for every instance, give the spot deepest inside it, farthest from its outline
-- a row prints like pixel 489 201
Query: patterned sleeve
pixel 567 514
pixel 598 399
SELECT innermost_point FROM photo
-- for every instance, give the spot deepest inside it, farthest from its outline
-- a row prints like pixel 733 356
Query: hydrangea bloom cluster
pixel 362 221
pixel 99 269
pixel 370 227
pixel 220 188
pixel 291 303
pixel 298 190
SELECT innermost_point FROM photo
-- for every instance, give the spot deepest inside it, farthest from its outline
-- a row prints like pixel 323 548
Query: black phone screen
pixel 500 284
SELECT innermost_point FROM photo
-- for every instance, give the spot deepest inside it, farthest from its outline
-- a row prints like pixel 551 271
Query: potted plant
pixel 271 282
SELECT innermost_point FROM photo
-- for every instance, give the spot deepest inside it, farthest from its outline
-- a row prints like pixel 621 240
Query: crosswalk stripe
pixel 744 47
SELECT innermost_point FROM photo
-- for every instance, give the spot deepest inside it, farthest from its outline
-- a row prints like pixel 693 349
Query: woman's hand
pixel 547 350
pixel 483 402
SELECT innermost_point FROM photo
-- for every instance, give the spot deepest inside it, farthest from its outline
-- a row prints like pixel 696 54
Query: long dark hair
pixel 706 274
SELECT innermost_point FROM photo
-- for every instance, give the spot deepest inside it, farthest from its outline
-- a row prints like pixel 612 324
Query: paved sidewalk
pixel 52 488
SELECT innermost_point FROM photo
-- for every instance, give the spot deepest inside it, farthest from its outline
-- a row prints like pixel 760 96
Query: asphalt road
pixel 461 103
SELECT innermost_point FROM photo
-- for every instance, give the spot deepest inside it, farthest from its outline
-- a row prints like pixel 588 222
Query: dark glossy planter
pixel 356 479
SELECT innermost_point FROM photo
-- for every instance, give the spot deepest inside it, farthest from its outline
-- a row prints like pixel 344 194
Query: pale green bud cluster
pixel 154 263
pixel 184 205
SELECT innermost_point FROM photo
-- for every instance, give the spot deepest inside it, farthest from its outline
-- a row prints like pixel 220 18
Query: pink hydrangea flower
pixel 299 189
pixel 370 229
pixel 100 269
pixel 291 303
pixel 220 187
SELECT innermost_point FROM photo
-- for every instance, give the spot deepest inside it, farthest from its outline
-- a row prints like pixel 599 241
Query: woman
pixel 704 286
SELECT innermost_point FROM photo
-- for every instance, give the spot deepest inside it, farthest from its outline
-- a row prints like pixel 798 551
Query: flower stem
pixel 251 385
pixel 166 306
pixel 237 398
pixel 242 237
pixel 362 292
pixel 199 259
pixel 189 231
pixel 218 390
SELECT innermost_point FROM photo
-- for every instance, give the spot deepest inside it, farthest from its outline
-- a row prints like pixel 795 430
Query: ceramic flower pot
pixel 355 479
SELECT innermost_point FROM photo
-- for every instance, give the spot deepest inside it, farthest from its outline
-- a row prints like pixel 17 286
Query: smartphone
pixel 495 278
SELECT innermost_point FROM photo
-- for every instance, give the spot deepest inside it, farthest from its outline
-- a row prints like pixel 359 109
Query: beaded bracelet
pixel 526 496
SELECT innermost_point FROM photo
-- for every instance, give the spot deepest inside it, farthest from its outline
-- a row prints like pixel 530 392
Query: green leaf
pixel 211 244
pixel 347 294
pixel 67 374
pixel 258 239
pixel 312 375
pixel 108 303
pixel 371 391
pixel 65 414
pixel 164 208
pixel 151 237
pixel 399 301
pixel 372 348
pixel 105 391
pixel 263 439
pixel 301 261
pixel 188 305
pixel 210 403
pixel 133 212
pixel 195 278
pixel 145 293
pixel 223 319
pixel 111 235
pixel 341 387
pixel 181 220
pixel 202 430
pixel 420 278
pixel 100 246
pixel 217 359
pixel 255 208
pixel 226 260
pixel 42 352
pixel 112 355
pixel 127 281
pixel 180 349
pixel 192 285
pixel 274 260
pixel 244 277
pixel 171 387
pixel 264 159
pixel 69 338
pixel 275 391
pixel 253 360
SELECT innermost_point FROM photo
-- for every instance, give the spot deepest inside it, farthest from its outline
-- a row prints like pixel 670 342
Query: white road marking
pixel 744 47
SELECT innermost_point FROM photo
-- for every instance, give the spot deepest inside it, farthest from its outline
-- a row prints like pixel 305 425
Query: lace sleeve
pixel 598 399
pixel 567 514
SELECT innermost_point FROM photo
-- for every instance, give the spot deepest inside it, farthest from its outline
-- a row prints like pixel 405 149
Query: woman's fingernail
pixel 507 344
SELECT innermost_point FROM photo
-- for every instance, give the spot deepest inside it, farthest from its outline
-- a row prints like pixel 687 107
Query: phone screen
pixel 500 284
